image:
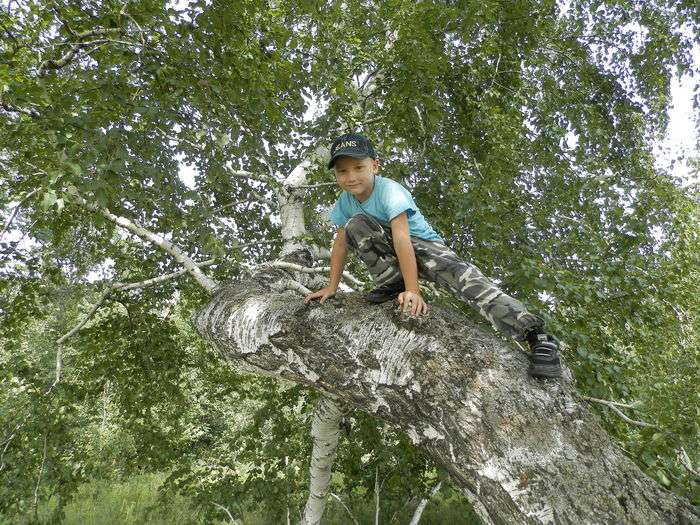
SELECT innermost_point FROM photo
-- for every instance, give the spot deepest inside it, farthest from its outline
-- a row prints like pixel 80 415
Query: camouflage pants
pixel 436 262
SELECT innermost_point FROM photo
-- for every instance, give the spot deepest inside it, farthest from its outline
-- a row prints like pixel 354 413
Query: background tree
pixel 524 130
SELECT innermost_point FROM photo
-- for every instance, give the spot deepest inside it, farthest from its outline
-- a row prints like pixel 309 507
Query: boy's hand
pixel 323 294
pixel 413 303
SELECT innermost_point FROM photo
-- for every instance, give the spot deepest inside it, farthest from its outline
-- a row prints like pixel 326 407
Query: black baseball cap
pixel 351 145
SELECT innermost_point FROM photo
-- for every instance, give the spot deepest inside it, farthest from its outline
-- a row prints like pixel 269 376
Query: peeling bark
pixel 523 451
pixel 325 431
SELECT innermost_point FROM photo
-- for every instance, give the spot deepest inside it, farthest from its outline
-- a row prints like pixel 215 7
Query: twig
pixel 352 517
pixel 228 512
pixel 160 279
pixel 424 503
pixel 682 456
pixel 14 213
pixel 125 287
pixel 205 282
pixel 291 284
pixel 76 46
pixel 318 185
pixel 267 179
pixel 313 269
pixel 85 319
pixel 613 405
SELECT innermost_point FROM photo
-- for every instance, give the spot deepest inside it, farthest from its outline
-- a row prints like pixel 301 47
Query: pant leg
pixel 436 262
pixel 441 265
pixel 372 243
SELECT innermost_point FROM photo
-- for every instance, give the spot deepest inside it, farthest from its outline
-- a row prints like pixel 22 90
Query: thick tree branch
pixel 325 431
pixel 520 448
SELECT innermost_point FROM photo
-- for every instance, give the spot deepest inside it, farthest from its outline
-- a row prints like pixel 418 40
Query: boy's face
pixel 356 176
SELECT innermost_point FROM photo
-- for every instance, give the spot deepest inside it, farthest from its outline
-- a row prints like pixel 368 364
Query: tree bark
pixel 325 431
pixel 523 451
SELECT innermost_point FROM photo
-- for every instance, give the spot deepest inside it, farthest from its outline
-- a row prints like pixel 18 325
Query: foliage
pixel 524 129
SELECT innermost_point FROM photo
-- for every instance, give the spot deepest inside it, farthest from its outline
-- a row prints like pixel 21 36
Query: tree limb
pixel 313 269
pixel 687 464
pixel 424 503
pixel 205 282
pixel 325 430
pixel 85 319
pixel 14 213
pixel 243 174
pixel 126 287
pixel 613 405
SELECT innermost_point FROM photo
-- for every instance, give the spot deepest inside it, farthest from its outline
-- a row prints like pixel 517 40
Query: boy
pixel 377 218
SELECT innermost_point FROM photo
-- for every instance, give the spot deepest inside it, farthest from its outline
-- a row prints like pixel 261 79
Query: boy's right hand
pixel 322 294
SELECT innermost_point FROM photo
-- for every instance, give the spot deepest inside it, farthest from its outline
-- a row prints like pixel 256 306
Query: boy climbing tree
pixel 378 219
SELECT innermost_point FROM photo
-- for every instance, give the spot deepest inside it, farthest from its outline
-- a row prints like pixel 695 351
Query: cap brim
pixel 348 154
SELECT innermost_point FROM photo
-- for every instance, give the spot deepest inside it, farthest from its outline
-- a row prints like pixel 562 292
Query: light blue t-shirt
pixel 387 200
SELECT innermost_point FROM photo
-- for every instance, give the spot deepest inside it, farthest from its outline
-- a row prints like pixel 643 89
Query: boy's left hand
pixel 412 303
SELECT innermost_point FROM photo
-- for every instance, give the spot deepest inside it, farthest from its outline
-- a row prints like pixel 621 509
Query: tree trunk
pixel 523 451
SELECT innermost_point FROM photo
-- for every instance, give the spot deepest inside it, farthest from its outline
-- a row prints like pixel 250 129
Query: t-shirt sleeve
pixel 396 200
pixel 337 216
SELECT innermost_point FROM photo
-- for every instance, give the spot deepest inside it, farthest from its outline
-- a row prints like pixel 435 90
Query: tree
pixel 523 130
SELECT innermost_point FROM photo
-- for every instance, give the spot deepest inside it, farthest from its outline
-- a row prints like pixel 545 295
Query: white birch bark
pixel 415 520
pixel 325 431
pixel 524 451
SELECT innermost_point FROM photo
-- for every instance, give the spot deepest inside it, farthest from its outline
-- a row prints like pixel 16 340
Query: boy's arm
pixel 404 252
pixel 411 299
pixel 338 253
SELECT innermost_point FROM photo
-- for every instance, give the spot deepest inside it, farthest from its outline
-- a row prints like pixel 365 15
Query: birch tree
pixel 524 131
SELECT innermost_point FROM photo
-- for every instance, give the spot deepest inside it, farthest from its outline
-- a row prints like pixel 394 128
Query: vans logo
pixel 346 144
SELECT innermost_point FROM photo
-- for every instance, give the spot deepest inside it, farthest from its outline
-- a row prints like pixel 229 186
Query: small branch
pixel 13 109
pixel 352 516
pixel 613 405
pixel 318 185
pixel 85 319
pixel 160 279
pixel 126 287
pixel 424 503
pixel 205 282
pixel 314 269
pixel 682 456
pixel 68 57
pixel 290 284
pixel 14 213
pixel 228 512
pixel 242 174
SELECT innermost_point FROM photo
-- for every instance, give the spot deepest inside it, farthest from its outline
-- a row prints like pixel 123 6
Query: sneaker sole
pixel 548 371
pixel 381 299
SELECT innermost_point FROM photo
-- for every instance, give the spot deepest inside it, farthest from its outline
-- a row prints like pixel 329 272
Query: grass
pixel 136 501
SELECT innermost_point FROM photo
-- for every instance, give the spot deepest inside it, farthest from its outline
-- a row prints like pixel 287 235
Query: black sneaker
pixel 386 292
pixel 544 361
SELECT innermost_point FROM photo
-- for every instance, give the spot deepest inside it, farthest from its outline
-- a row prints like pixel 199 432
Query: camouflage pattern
pixel 436 262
